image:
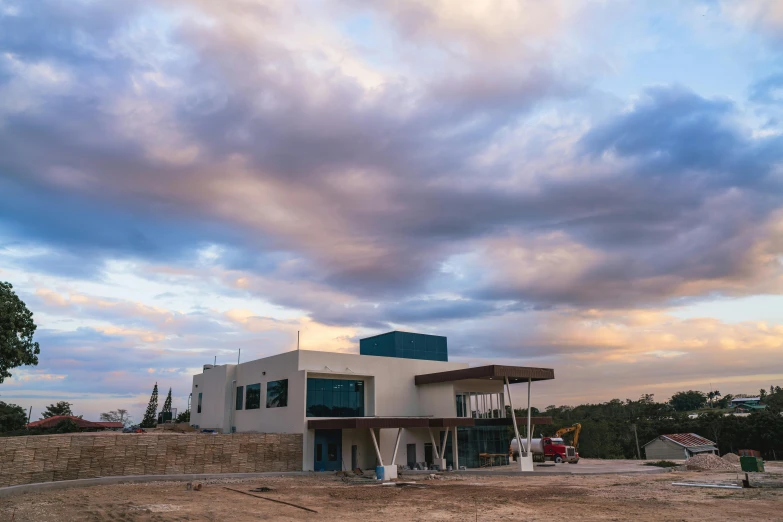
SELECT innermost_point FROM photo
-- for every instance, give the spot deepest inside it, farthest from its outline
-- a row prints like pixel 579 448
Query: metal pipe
pixel 232 406
pixel 705 485
pixel 514 422
pixel 396 446
pixel 377 449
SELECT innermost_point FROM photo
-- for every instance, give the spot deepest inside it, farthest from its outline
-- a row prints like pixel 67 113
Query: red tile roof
pixel 54 421
pixel 688 440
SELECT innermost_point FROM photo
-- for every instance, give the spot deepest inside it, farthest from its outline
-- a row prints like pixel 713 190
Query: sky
pixel 593 187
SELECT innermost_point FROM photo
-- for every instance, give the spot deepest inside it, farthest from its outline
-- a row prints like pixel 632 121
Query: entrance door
pixel 428 453
pixel 328 450
pixel 411 456
pixel 354 456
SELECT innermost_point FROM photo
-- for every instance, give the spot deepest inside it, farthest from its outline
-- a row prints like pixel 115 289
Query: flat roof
pixel 514 374
pixel 355 423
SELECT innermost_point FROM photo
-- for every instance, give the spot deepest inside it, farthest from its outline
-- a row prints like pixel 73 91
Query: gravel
pixel 731 458
pixel 709 462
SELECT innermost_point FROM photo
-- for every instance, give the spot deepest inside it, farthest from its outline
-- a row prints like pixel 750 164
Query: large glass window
pixel 277 394
pixel 462 405
pixel 199 403
pixel 335 398
pixel 240 397
pixel 253 397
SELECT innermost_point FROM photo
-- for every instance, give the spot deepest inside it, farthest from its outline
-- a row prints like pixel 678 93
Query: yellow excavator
pixel 576 429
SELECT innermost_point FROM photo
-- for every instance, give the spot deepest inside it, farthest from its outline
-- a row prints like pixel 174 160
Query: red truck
pixel 548 448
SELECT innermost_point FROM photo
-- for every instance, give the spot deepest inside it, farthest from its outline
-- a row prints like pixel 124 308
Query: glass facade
pixel 335 398
pixel 406 345
pixel 240 397
pixel 253 397
pixel 462 405
pixel 277 394
pixel 478 439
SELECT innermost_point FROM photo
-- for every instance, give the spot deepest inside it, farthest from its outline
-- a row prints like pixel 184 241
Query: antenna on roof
pixel 238 355
pixel 297 340
pixel 215 361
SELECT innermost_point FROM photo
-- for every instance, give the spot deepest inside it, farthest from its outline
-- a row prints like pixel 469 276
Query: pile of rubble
pixel 709 462
pixel 731 458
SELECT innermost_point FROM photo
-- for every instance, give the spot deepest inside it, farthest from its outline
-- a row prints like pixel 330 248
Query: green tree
pixel 12 417
pixel 688 400
pixel 184 416
pixel 61 408
pixel 149 420
pixel 118 415
pixel 167 403
pixel 17 327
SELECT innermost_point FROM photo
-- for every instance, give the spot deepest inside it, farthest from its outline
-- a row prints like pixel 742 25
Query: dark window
pixel 253 397
pixel 335 398
pixel 332 452
pixel 277 394
pixel 240 396
pixel 319 453
pixel 199 403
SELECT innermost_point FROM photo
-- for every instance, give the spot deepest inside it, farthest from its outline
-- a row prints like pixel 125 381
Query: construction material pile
pixel 709 462
pixel 731 458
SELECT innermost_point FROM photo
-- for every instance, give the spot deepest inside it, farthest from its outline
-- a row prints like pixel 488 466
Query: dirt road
pixel 468 498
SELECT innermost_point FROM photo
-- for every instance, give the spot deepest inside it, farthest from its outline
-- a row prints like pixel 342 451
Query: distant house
pixel 85 425
pixel 678 446
pixel 741 401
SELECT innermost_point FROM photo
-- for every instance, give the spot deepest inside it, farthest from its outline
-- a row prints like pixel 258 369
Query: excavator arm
pixel 576 429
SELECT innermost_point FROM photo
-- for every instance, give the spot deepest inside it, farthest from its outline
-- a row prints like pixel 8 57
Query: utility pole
pixel 238 355
pixel 636 436
pixel 30 414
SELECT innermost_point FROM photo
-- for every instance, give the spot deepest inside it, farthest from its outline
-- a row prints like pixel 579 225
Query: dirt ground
pixel 585 497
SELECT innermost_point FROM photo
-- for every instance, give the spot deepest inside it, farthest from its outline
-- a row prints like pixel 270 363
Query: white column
pixel 443 450
pixel 377 449
pixel 455 449
pixel 529 431
pixel 436 455
pixel 396 446
pixel 514 422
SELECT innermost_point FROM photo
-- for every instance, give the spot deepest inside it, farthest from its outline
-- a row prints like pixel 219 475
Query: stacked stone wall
pixel 47 458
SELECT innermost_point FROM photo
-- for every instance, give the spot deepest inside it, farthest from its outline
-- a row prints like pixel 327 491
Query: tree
pixel 61 408
pixel 688 400
pixel 17 347
pixel 167 403
pixel 149 420
pixel 118 415
pixel 12 417
pixel 712 396
pixel 184 416
pixel 762 394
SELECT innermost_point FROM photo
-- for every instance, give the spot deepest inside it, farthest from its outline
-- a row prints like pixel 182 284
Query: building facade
pixel 362 410
pixel 678 446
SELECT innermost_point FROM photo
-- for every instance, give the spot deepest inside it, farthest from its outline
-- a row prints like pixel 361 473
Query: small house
pixel 678 446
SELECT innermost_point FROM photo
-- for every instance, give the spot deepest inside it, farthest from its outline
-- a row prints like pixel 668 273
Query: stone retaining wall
pixel 46 458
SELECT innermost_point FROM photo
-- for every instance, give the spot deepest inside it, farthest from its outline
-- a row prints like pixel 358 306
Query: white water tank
pixel 537 445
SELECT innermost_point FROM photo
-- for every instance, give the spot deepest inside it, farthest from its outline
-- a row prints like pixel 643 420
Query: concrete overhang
pixel 514 374
pixel 355 423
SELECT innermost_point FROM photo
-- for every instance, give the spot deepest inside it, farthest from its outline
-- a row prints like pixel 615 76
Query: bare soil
pixel 585 497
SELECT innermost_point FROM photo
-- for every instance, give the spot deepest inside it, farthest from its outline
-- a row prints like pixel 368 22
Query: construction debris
pixel 261 489
pixel 272 500
pixel 709 462
pixel 700 485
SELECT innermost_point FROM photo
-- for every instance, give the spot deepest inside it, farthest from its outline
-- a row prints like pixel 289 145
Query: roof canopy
pixel 353 423
pixel 493 371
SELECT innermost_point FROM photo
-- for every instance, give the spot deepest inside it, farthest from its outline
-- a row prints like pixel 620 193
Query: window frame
pixel 252 405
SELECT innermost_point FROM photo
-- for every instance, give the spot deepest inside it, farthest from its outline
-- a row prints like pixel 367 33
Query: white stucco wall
pixel 390 391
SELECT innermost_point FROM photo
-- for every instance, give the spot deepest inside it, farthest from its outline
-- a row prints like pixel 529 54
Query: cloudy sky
pixel 593 187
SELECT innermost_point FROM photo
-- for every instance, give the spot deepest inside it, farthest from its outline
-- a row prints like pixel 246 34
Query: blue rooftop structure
pixel 406 345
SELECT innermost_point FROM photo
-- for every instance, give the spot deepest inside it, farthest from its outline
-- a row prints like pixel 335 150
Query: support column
pixel 443 450
pixel 435 451
pixel 526 463
pixel 529 430
pixel 396 446
pixel 377 449
pixel 455 449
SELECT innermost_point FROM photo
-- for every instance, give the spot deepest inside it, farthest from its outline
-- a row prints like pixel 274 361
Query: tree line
pixel 610 429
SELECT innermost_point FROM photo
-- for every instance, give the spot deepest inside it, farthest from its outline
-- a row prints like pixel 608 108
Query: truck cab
pixel 556 450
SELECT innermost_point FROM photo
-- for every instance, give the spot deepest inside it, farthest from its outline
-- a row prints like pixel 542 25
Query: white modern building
pixel 399 402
